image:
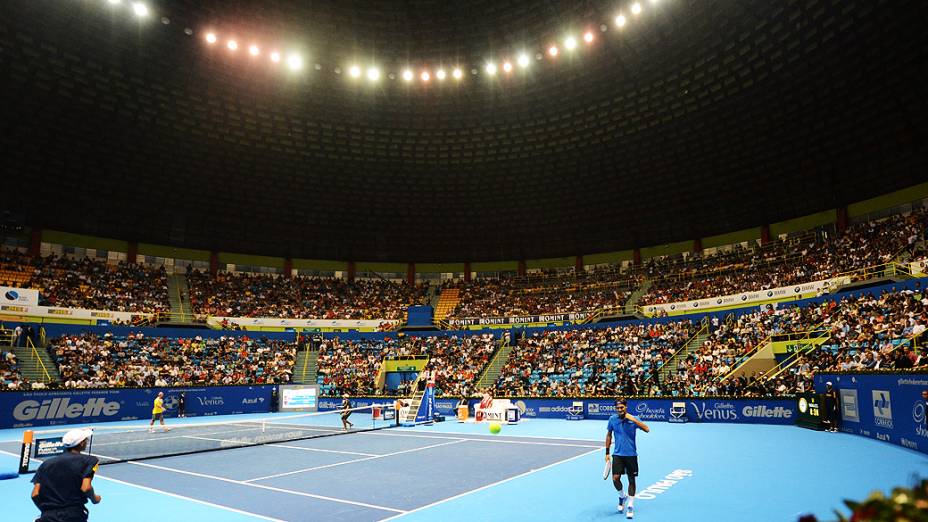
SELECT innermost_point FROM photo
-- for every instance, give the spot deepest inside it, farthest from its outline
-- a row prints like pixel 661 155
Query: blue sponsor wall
pixel 883 406
pixel 740 411
pixel 54 407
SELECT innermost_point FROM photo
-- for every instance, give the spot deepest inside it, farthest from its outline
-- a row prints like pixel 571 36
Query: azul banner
pixel 888 407
pixel 53 407
pixel 802 291
pixel 527 319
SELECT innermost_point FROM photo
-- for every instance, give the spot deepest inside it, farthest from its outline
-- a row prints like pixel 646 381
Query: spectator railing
pixel 36 360
pixel 803 347
pixel 703 328
pixel 741 361
pixel 486 368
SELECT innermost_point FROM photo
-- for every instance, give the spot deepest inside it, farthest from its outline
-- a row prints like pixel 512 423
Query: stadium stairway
pixel 694 342
pixel 631 306
pixel 36 364
pixel 179 298
pixel 495 366
pixel 306 370
pixel 450 297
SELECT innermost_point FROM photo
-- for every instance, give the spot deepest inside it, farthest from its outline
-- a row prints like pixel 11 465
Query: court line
pixel 517 436
pixel 456 441
pixel 269 488
pixel 495 441
pixel 191 499
pixel 394 517
pixel 293 447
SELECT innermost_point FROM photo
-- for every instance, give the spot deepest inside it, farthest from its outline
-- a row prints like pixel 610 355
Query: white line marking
pixel 175 495
pixel 269 488
pixel 324 450
pixel 495 441
pixel 354 460
pixel 518 436
pixel 491 485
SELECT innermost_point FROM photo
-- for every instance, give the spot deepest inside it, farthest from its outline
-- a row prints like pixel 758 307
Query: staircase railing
pixel 499 348
pixel 703 329
pixel 36 360
pixel 802 348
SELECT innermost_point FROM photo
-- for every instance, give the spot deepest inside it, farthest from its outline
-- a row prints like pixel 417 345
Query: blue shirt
pixel 61 479
pixel 623 433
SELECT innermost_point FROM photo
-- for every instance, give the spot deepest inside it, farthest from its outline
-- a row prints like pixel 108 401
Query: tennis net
pixel 113 444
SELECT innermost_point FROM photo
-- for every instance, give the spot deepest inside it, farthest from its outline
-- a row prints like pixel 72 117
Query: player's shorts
pixel 346 414
pixel 157 416
pixel 625 465
pixel 68 514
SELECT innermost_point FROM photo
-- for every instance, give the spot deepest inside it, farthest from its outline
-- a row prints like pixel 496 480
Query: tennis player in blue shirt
pixel 625 456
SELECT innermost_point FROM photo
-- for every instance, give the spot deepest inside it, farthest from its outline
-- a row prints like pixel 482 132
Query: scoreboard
pixel 810 411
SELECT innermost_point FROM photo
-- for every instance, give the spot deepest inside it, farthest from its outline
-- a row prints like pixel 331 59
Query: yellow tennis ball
pixel 495 428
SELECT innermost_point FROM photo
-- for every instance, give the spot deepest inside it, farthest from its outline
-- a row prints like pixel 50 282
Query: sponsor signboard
pixel 299 397
pixel 892 409
pixel 53 407
pixel 526 319
pixel 18 296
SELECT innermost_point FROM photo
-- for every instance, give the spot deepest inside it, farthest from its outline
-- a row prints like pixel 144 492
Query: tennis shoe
pixel 621 506
pixel 630 513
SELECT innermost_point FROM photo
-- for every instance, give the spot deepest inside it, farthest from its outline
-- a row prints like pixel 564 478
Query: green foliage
pixel 902 505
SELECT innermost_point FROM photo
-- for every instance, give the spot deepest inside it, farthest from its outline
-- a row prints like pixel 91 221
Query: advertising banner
pixel 61 313
pixel 54 407
pixel 883 406
pixel 272 322
pixel 802 291
pixel 527 319
pixel 741 411
pixel 18 296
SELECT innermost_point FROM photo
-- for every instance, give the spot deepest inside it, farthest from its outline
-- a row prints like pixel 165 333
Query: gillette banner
pixel 55 407
pixel 883 406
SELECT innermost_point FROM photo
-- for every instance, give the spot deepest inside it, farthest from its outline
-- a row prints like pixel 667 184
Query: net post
pixel 25 453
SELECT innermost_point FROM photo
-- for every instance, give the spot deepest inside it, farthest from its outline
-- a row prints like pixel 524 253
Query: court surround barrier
pixel 54 407
pixel 884 405
pixel 696 409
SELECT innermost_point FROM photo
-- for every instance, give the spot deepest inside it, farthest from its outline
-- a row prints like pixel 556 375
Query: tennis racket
pixel 606 470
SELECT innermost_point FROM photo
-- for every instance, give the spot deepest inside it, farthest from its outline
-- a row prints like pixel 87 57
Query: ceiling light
pixel 507 67
pixel 232 45
pixel 552 51
pixel 114 2
pixel 294 62
pixel 440 74
pixel 588 37
pixel 457 74
pixel 140 9
pixel 620 20
pixel 570 43
pixel 490 68
pixel 373 74
pixel 354 71
pixel 636 8
pixel 211 38
pixel 407 75
pixel 254 50
pixel 425 76
pixel 523 60
pixel 275 56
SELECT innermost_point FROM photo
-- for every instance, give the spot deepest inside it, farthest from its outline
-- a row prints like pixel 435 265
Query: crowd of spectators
pixel 91 361
pixel 784 262
pixel 514 296
pixel 10 376
pixel 609 361
pixel 230 294
pixel 455 362
pixel 88 283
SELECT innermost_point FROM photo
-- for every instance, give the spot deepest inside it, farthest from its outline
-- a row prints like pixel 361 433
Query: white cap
pixel 828 383
pixel 75 437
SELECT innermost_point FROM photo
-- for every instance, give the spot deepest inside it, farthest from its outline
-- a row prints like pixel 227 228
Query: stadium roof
pixel 698 117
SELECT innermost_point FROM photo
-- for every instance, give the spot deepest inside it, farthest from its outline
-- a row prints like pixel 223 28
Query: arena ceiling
pixel 699 118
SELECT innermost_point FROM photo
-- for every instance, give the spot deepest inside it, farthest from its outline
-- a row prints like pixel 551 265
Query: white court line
pixel 249 481
pixel 517 436
pixel 495 441
pixel 324 450
pixel 491 485
pixel 269 488
pixel 175 495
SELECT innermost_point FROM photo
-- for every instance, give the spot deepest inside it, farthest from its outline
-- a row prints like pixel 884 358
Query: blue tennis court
pixel 537 470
